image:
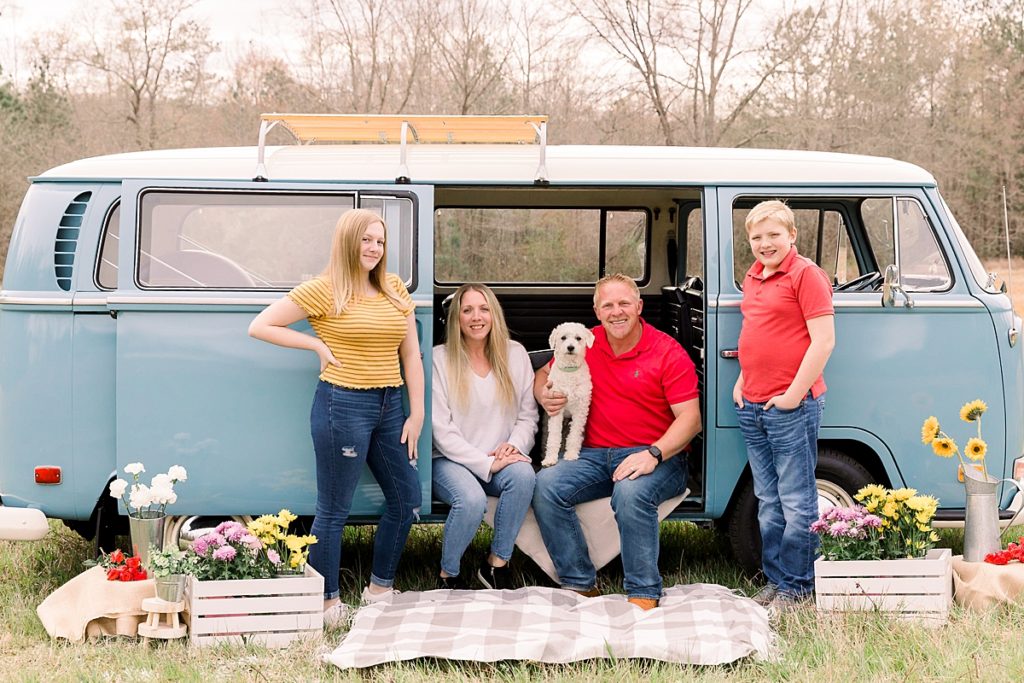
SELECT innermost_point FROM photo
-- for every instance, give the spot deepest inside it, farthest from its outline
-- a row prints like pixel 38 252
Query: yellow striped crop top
pixel 364 338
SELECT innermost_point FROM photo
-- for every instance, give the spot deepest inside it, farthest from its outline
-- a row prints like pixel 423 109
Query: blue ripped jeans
pixel 352 428
pixel 782 446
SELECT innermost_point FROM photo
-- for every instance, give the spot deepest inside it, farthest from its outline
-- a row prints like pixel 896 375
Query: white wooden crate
pixel 920 589
pixel 271 612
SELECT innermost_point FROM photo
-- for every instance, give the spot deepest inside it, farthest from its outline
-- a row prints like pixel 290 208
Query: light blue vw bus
pixel 131 280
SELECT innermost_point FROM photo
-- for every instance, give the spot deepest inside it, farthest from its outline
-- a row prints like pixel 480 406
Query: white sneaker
pixel 336 614
pixel 369 598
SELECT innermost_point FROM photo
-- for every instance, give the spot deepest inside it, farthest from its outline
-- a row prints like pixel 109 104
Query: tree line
pixel 938 83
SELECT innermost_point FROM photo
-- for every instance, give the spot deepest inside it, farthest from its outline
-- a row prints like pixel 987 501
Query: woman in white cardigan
pixel 484 420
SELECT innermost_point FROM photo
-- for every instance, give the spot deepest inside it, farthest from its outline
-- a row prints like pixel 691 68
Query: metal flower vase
pixel 146 530
pixel 171 588
pixel 981 521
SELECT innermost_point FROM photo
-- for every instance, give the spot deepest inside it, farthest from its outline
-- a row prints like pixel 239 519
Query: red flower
pixel 133 563
pixel 112 573
pixel 126 574
pixel 117 557
pixel 1002 557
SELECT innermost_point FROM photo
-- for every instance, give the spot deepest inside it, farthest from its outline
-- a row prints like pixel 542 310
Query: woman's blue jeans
pixel 350 428
pixel 782 446
pixel 467 496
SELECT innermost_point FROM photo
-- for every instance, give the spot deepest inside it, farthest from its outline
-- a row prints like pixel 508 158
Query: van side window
pixel 822 235
pixel 195 239
pixel 539 244
pixel 922 266
pixel 106 272
pixel 694 235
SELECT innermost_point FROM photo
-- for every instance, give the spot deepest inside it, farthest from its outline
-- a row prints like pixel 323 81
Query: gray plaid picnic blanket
pixel 695 624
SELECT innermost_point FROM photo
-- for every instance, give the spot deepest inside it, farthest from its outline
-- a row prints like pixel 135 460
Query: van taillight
pixel 47 474
pixel 1018 468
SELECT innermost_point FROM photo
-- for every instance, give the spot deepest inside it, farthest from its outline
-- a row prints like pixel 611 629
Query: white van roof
pixel 503 164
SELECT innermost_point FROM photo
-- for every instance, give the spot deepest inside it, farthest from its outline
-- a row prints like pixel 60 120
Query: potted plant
pixel 880 555
pixel 147 505
pixel 287 552
pixel 170 568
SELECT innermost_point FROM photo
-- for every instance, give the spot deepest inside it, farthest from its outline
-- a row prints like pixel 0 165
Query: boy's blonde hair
pixel 774 210
pixel 616 277
pixel 496 349
pixel 342 271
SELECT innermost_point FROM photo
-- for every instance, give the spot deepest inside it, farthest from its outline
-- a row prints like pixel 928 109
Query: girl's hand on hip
pixel 411 434
pixel 326 357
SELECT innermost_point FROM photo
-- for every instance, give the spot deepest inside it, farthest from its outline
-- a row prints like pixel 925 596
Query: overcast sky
pixel 232 23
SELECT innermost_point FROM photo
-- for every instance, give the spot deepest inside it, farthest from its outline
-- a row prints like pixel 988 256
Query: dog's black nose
pixel 570 348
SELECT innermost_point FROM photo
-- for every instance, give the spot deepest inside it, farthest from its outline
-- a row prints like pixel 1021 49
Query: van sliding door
pixel 197 261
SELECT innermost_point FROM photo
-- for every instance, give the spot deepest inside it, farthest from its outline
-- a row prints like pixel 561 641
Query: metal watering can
pixel 981 522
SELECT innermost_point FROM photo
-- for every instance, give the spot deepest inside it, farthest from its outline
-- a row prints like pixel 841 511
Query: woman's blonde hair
pixel 342 270
pixel 496 349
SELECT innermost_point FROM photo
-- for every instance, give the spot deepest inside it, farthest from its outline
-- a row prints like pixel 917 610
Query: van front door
pixel 198 260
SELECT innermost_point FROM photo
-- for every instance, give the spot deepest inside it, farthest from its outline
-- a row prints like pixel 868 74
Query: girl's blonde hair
pixel 343 269
pixel 496 349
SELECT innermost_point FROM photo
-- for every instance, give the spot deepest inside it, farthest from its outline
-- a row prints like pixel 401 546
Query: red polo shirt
pixel 774 337
pixel 633 392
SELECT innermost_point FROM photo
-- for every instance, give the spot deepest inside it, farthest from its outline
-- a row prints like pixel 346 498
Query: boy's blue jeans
pixel 635 502
pixel 467 495
pixel 782 446
pixel 353 428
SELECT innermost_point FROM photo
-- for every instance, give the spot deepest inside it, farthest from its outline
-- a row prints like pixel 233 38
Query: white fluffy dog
pixel 569 375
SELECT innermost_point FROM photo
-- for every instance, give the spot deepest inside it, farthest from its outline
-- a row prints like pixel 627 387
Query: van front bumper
pixel 22 524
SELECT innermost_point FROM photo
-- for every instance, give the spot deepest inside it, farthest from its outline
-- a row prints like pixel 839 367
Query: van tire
pixel 839 477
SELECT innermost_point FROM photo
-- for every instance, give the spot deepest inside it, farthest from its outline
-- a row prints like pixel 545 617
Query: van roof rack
pixel 396 128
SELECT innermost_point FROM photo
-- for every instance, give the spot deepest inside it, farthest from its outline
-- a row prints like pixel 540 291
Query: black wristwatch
pixel 655 453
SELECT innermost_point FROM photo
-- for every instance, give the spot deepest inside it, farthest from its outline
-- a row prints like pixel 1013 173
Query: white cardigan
pixel 467 435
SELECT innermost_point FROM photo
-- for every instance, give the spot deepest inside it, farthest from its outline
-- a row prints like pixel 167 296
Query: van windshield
pixel 977 269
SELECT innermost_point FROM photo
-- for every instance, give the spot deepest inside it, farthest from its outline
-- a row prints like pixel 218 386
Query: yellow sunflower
pixel 944 447
pixel 929 430
pixel 973 410
pixel 975 449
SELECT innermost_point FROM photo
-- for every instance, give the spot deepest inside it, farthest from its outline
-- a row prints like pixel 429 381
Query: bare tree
pixel 152 52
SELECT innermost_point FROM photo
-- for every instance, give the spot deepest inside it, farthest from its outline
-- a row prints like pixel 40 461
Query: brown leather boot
pixel 594 592
pixel 644 603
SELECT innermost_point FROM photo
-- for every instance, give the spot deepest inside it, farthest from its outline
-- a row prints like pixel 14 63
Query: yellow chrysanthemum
pixel 285 517
pixel 901 495
pixel 933 537
pixel 923 527
pixel 973 410
pixel 944 447
pixel 889 510
pixel 295 543
pixel 871 491
pixel 975 449
pixel 929 430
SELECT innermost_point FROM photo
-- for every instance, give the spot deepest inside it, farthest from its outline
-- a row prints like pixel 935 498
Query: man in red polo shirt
pixel 643 414
pixel 786 339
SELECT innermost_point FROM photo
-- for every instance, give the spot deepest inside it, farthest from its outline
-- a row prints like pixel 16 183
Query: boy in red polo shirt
pixel 786 339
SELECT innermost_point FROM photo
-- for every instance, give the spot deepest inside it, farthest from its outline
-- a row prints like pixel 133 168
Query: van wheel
pixel 181 530
pixel 838 476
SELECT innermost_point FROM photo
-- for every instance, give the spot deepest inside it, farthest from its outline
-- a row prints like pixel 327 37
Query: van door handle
pixel 730 353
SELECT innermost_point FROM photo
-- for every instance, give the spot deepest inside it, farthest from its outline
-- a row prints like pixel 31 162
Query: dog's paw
pixel 548 461
pixel 571 455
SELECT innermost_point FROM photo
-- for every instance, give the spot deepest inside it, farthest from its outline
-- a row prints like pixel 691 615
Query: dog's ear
pixel 553 337
pixel 589 336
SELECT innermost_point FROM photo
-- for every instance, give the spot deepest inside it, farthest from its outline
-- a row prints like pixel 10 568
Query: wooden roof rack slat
pixel 395 129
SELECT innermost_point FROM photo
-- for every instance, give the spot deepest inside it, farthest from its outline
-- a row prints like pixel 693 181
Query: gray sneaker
pixel 369 598
pixel 765 596
pixel 336 614
pixel 785 602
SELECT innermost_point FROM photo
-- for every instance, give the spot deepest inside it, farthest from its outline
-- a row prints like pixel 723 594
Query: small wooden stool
pixel 153 628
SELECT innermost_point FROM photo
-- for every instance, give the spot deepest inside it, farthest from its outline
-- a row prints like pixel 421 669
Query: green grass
pixel 813 647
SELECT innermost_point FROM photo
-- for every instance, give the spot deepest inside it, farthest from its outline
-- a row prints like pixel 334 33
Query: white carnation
pixel 162 495
pixel 134 468
pixel 161 481
pixel 117 488
pixel 140 496
pixel 177 473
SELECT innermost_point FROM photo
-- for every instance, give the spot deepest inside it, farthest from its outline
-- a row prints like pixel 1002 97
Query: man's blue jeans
pixel 570 482
pixel 782 446
pixel 467 495
pixel 352 428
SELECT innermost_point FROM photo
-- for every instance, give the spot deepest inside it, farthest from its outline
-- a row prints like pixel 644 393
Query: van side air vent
pixel 67 238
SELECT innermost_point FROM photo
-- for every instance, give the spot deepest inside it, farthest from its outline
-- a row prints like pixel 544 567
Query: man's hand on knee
pixel 635 465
